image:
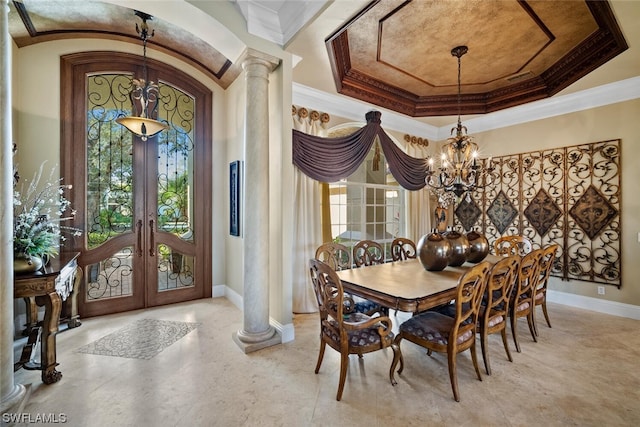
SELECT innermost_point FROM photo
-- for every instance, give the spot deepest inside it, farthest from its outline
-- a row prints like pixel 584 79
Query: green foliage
pixel 37 217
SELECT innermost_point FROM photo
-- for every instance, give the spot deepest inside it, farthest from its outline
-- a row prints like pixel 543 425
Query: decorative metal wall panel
pixel 570 196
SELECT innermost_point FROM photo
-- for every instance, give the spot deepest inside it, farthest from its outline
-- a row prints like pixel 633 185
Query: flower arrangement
pixel 37 216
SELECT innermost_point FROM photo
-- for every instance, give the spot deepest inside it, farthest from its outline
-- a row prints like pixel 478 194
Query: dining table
pixel 405 285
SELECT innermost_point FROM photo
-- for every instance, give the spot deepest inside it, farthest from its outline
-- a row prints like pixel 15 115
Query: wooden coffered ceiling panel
pixel 397 54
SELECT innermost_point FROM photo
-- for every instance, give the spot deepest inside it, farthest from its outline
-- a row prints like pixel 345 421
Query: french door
pixel 146 204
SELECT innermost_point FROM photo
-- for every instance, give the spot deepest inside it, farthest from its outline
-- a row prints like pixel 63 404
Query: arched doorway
pixel 144 205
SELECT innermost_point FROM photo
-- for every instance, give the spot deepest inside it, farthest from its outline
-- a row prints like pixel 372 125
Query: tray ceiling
pixel 397 54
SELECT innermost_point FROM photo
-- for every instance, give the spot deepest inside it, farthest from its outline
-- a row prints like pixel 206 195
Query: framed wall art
pixel 234 198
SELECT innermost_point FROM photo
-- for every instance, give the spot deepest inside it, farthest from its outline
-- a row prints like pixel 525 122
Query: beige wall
pixel 616 121
pixel 235 122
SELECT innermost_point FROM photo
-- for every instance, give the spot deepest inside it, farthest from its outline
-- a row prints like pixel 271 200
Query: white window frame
pixel 393 218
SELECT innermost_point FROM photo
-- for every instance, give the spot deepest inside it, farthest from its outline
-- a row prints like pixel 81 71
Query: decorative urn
pixel 25 264
pixel 434 251
pixel 478 246
pixel 459 247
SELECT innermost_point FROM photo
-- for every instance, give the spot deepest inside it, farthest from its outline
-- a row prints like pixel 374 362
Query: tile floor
pixel 583 372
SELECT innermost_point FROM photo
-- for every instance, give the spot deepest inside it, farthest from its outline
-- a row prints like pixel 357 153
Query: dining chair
pixel 512 245
pixel 494 309
pixel 521 303
pixel 452 335
pixel 540 296
pixel 402 249
pixel 347 333
pixel 338 257
pixel 367 252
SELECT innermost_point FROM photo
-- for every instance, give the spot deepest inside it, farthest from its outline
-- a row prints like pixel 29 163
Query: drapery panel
pixel 332 159
pixel 418 202
pixel 306 219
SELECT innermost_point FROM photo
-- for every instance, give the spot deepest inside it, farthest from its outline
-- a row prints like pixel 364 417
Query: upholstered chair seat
pixel 364 339
pixel 434 327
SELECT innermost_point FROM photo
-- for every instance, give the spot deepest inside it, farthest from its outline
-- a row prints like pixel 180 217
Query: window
pixel 368 205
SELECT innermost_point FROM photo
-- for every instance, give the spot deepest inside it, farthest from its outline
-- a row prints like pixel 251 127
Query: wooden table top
pixel 405 285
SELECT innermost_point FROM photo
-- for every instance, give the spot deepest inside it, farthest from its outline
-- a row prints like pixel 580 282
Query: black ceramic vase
pixel 434 251
pixel 478 246
pixel 459 247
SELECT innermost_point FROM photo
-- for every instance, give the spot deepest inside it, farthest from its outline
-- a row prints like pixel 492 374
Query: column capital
pixel 252 56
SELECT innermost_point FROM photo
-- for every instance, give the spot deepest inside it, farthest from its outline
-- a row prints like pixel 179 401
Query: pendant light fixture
pixel 144 96
pixel 460 171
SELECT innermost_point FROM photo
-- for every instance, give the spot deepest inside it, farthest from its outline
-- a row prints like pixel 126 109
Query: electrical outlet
pixel 600 290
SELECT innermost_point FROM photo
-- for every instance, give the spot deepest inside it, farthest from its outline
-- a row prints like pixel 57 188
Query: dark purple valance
pixel 332 159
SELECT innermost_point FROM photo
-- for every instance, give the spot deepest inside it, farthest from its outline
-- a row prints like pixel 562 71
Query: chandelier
pixel 144 96
pixel 460 171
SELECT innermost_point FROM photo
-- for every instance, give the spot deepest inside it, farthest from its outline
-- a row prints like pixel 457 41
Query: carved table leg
pixel 52 306
pixel 32 315
pixel 74 320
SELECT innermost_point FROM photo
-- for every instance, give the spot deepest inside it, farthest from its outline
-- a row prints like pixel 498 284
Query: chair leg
pixel 485 353
pixel 506 344
pixel 321 355
pixel 544 311
pixel 452 375
pixel 514 331
pixel 344 366
pixel 533 323
pixel 474 359
pixel 397 356
pixel 532 326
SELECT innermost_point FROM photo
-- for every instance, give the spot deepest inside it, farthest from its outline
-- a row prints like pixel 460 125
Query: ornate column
pixel 11 394
pixel 257 333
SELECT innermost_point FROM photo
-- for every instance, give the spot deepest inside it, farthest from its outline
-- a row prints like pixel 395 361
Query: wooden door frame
pixel 73 70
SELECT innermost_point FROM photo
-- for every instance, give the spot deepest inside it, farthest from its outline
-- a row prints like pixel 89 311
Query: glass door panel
pixel 110 197
pixel 175 270
pixel 111 277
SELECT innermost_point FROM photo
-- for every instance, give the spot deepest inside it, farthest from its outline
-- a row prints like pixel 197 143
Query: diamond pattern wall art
pixel 570 196
pixel 542 212
pixel 501 212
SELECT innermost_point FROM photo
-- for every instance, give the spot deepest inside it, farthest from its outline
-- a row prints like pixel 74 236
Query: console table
pixel 48 287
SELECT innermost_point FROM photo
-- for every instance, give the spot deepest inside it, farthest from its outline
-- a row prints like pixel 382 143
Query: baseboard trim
pixel 218 291
pixel 287 331
pixel 594 304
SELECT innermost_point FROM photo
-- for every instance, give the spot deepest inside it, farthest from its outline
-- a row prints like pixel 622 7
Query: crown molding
pixel 355 110
pixel 349 108
pixel 278 21
pixel 612 93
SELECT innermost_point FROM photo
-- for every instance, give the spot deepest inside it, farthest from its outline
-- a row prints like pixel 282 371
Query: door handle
pixel 152 248
pixel 139 227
